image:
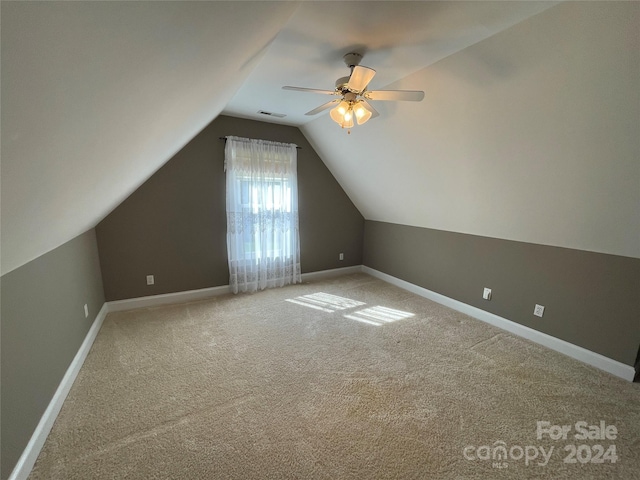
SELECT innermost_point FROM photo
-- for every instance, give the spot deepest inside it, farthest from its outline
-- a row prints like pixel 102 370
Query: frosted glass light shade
pixel 343 107
pixel 338 113
pixel 362 114
pixel 336 116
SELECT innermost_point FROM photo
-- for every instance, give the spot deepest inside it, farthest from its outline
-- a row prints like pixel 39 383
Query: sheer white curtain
pixel 263 242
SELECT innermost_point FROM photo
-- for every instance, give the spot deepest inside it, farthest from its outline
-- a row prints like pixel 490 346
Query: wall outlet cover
pixel 538 311
pixel 150 280
pixel 486 294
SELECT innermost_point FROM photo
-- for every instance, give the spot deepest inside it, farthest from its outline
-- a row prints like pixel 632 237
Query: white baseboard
pixel 579 353
pixel 32 450
pixel 334 272
pixel 167 298
pixel 194 295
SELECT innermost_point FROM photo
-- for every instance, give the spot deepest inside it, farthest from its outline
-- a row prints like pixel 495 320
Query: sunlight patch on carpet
pixel 325 302
pixel 379 315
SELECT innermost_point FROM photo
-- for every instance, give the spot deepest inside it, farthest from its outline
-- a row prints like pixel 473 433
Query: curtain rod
pixel 225 139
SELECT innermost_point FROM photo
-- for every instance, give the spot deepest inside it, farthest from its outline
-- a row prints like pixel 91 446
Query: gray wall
pixel 591 299
pixel 43 326
pixel 174 225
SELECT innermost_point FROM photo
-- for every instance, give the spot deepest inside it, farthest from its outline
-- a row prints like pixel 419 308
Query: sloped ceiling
pixel 96 96
pixel 395 38
pixel 530 135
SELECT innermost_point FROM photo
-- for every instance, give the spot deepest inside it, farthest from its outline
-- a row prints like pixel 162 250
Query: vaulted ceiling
pixel 395 38
pixel 96 96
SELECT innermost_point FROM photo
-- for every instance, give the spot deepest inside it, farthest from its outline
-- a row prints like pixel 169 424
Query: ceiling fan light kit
pixel 354 95
pixel 348 109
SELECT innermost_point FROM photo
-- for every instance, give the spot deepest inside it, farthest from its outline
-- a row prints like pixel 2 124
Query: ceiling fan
pixel 354 96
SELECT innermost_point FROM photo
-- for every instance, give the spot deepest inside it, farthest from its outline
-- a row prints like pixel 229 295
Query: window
pixel 262 214
pixel 272 197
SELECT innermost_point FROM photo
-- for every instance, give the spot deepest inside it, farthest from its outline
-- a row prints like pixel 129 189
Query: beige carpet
pixel 354 378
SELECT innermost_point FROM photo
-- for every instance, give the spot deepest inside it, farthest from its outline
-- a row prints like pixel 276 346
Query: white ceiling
pixel 396 39
pixel 96 96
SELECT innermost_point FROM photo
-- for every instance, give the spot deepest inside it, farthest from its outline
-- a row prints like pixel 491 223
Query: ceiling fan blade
pixel 360 78
pixel 323 107
pixel 404 95
pixel 310 90
pixel 367 105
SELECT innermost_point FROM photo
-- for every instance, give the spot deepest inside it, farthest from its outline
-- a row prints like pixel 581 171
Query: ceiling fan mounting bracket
pixel 352 59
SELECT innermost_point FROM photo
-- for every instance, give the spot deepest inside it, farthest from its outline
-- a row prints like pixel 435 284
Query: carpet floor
pixel 346 378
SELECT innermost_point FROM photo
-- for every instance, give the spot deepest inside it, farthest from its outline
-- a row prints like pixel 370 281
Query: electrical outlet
pixel 86 311
pixel 486 294
pixel 341 257
pixel 538 311
pixel 150 280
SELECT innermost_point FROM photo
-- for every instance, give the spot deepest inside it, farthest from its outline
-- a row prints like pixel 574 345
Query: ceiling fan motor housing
pixel 341 84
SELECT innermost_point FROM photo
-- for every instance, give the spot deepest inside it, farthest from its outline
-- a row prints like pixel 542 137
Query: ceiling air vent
pixel 271 114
